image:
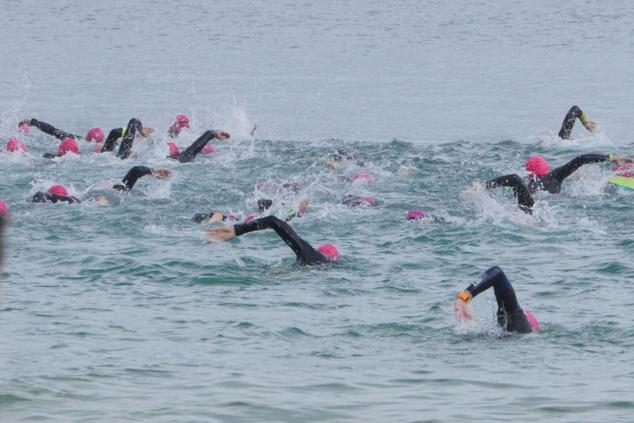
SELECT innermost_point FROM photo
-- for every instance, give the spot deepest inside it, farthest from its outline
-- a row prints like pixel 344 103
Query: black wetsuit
pixel 131 177
pixel 510 315
pixel 111 141
pixel 354 201
pixel 550 182
pixel 569 122
pixel 125 149
pixel 305 253
pixel 45 197
pixel 190 153
pixel 51 130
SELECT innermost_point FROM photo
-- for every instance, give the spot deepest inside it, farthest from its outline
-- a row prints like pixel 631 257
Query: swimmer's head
pixel 368 200
pixel 362 177
pixel 182 121
pixel 532 320
pixel 67 145
pixel 95 134
pixel 58 189
pixel 415 214
pixel 14 145
pixel 174 151
pixel 329 251
pixel 4 209
pixel 264 204
pixel 209 149
pixel 537 165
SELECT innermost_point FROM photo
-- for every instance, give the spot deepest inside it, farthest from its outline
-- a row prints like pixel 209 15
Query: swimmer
pixel 569 121
pixel 133 175
pixel 540 178
pixel 189 154
pixel 127 135
pixel 68 145
pixel 510 315
pixel 56 193
pixel 264 204
pixel 356 201
pixel 181 121
pixel 14 145
pixel 342 156
pixel 306 254
pixel 421 215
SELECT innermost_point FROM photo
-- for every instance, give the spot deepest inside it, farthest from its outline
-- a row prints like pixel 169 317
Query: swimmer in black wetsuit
pixel 569 121
pixel 137 172
pixel 263 205
pixel 48 129
pixel 306 254
pixel 127 136
pixel 510 315
pixel 541 179
pixel 190 153
pixel 55 194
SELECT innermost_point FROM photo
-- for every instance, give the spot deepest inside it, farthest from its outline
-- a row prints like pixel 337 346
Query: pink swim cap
pixel 329 250
pixel 182 121
pixel 415 214
pixel 24 128
pixel 537 165
pixel 67 144
pixel 14 145
pixel 95 134
pixel 209 149
pixel 532 320
pixel 58 189
pixel 363 176
pixel 174 150
pixel 368 200
pixel 623 170
pixel 4 210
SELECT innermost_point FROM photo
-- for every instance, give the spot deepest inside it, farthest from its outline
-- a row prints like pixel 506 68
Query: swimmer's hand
pixel 618 159
pixel 303 205
pixel 146 131
pixel 24 122
pixel 590 125
pixel 216 217
pixel 161 173
pixel 222 135
pixel 221 234
pixel 463 313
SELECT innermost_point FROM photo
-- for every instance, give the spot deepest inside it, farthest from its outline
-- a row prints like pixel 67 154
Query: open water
pixel 125 313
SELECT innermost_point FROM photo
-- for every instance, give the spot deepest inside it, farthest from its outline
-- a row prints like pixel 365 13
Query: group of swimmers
pixel 511 317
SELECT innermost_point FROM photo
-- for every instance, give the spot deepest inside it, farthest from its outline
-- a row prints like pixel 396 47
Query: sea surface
pixel 123 312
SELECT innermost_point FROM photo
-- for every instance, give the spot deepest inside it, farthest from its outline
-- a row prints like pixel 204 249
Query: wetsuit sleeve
pixel 524 199
pixel 510 315
pixel 569 122
pixel 562 172
pixel 64 198
pixel 111 141
pixel 197 146
pixel 125 149
pixel 50 155
pixel 51 130
pixel 133 175
pixel 305 253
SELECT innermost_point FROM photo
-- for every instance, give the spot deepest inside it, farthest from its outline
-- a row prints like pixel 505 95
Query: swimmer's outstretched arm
pixel 562 172
pixel 520 191
pixel 569 122
pixel 134 126
pixel 48 129
pixel 192 151
pixel 305 253
pixel 111 141
pixel 138 172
